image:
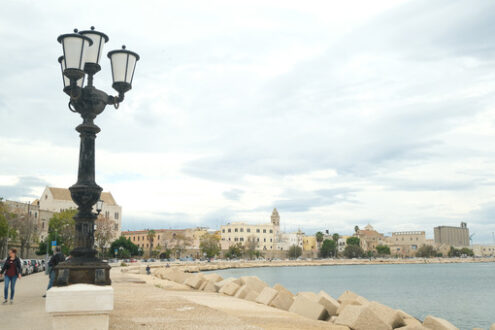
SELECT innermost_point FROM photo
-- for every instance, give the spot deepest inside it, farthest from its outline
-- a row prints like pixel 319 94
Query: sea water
pixel 462 293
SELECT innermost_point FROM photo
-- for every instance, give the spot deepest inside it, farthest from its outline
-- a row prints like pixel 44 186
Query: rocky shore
pixel 349 311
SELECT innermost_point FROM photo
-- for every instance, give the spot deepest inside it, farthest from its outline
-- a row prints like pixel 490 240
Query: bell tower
pixel 275 218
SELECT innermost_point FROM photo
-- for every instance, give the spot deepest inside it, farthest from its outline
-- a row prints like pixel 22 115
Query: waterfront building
pixel 406 243
pixel 286 240
pixel 370 238
pixel 310 244
pixel 264 235
pixel 342 243
pixel 480 250
pixel 59 199
pixel 452 236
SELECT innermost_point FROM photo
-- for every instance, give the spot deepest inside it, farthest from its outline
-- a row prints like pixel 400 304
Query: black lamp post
pixel 82 53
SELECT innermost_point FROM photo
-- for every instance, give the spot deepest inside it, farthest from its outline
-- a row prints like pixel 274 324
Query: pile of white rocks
pixel 349 311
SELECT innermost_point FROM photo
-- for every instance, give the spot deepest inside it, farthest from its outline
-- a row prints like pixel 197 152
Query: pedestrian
pixel 13 270
pixel 148 270
pixel 54 261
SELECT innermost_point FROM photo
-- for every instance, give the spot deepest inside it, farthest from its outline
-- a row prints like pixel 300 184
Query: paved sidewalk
pixel 28 310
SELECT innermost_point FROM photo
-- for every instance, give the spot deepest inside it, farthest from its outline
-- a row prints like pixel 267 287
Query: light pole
pixel 81 55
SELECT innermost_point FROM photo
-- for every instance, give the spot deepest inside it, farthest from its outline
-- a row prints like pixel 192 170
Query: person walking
pixel 54 261
pixel 13 270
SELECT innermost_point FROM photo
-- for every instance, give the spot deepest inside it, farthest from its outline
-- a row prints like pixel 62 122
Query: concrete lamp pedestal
pixel 80 306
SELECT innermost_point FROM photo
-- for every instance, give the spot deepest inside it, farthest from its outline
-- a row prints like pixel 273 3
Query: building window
pixel 248 230
pixel 158 236
pixel 223 230
pixel 242 230
pixel 116 226
pixel 242 239
pixel 264 239
pixel 258 239
pixel 229 230
pixel 35 215
pixel 264 231
pixel 257 230
pixel 270 239
pixel 116 215
pixel 229 238
pixel 271 231
pixel 43 225
pixel 107 214
pixel 235 230
pixel 235 239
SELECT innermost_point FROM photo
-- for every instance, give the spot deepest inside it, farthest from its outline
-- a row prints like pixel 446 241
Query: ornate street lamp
pixel 82 52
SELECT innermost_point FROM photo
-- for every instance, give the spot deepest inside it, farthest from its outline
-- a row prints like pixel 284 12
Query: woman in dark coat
pixel 13 271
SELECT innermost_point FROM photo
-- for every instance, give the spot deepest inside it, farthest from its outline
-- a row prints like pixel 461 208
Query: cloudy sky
pixel 337 113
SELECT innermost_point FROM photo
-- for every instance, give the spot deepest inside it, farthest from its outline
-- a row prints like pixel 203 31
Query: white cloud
pixel 337 113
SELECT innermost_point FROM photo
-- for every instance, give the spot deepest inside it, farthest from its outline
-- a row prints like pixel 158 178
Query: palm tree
pixel 151 236
pixel 319 238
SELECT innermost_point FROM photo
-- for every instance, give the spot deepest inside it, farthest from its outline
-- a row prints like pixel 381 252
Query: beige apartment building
pixel 480 250
pixel 370 238
pixel 452 236
pixel 59 199
pixel 264 235
pixel 406 243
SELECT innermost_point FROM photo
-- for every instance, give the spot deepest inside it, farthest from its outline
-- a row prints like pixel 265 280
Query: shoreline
pixel 194 267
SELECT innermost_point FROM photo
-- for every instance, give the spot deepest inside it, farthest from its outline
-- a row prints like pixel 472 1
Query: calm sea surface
pixel 464 294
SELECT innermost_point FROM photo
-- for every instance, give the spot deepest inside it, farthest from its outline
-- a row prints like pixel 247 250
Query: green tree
pixel 250 247
pixel 353 241
pixel 426 251
pixel 62 228
pixel 328 248
pixel 383 250
pixel 353 251
pixel 319 238
pixel 467 251
pixel 165 254
pixel 335 237
pixel 125 244
pixel 295 251
pixel 151 237
pixel 234 251
pixel 209 245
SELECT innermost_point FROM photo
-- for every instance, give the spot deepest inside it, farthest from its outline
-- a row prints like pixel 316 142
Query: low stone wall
pixel 349 311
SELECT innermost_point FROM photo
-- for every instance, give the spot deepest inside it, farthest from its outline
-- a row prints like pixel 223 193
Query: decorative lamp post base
pixel 93 272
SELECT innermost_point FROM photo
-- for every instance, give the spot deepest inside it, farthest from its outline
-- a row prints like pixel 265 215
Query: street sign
pixel 54 243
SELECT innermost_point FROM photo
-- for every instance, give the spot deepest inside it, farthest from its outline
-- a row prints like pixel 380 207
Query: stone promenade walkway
pixel 28 310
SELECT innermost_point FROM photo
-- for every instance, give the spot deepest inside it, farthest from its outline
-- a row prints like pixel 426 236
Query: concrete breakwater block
pixel 244 291
pixel 388 315
pixel 229 289
pixel 221 283
pixel 331 304
pixel 281 288
pixel 253 282
pixel 214 277
pixel 266 296
pixel 352 297
pixel 361 318
pixel 174 275
pixel 308 308
pixel 436 323
pixel 209 286
pixel 195 281
pixel 283 300
pixel 251 296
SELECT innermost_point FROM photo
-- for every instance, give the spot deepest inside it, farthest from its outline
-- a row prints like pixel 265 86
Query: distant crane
pixel 471 238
